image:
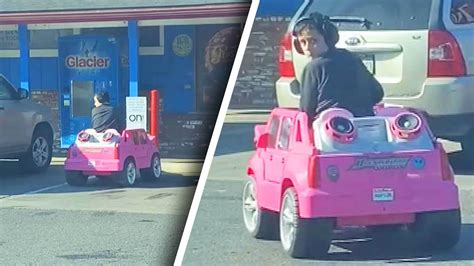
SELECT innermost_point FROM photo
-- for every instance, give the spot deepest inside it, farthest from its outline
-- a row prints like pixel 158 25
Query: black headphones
pixel 322 24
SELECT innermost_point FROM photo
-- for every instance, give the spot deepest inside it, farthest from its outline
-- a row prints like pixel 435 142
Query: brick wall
pixel 49 98
pixel 255 86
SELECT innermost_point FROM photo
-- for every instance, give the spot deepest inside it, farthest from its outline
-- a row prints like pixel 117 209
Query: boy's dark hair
pixel 103 97
pixel 320 23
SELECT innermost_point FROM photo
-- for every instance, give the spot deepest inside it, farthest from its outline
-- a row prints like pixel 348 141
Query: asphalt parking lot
pixel 45 221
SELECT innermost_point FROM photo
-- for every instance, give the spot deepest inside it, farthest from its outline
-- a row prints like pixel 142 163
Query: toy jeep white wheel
pixel 439 230
pixel 302 238
pixel 154 171
pixel 76 178
pixel 260 223
pixel 128 176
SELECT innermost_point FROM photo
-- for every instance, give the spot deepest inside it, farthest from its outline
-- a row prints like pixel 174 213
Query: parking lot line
pixel 43 189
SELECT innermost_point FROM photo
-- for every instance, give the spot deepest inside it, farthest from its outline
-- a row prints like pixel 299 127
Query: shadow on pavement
pixel 398 249
pixel 14 182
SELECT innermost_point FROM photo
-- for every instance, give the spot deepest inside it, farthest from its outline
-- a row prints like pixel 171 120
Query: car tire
pixel 438 230
pixel 261 223
pixel 40 152
pixel 76 178
pixel 154 171
pixel 128 176
pixel 303 238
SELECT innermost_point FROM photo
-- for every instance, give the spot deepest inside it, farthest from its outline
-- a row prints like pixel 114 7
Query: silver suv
pixel 25 129
pixel 421 51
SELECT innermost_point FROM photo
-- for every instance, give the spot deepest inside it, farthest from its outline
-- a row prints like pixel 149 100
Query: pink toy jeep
pixel 381 171
pixel 125 156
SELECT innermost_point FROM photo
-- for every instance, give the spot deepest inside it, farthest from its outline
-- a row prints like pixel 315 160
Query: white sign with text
pixel 136 112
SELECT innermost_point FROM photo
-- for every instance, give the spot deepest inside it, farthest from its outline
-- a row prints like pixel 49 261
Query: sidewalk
pixel 246 116
pixel 185 167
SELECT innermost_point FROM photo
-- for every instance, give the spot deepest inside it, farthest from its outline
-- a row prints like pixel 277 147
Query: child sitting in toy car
pixel 334 77
pixel 104 116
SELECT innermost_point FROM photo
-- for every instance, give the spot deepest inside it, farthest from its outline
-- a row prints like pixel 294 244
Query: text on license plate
pixel 382 194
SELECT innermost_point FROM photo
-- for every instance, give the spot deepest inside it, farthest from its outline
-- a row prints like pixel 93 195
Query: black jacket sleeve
pixel 309 90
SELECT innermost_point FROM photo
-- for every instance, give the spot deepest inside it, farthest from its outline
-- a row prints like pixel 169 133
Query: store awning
pixel 19 12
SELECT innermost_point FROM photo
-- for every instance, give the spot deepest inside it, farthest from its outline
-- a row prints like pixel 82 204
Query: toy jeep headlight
pixel 406 125
pixel 341 129
pixel 83 136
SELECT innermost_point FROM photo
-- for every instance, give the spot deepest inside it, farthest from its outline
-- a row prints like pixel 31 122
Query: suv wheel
pixel 38 157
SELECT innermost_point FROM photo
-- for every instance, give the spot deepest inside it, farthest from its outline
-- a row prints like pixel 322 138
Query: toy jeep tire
pixel 261 223
pixel 438 230
pixel 303 238
pixel 128 176
pixel 76 178
pixel 154 172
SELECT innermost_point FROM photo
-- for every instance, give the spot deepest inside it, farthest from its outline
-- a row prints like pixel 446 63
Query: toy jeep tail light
pixel 341 129
pixel 116 151
pixel 313 173
pixel 83 136
pixel 406 125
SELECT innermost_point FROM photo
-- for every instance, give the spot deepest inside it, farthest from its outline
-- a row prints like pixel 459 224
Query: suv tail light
pixel 285 57
pixel 444 56
pixel 313 173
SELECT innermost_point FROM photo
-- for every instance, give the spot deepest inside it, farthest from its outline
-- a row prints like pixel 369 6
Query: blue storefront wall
pixel 278 7
pixel 174 73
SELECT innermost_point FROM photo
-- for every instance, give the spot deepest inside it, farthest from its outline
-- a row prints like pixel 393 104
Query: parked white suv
pixel 421 51
pixel 25 129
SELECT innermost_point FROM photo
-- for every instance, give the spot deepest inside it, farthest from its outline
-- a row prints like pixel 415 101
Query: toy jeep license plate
pixel 382 194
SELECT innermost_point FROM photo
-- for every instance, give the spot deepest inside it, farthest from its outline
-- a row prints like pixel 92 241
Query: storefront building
pixel 184 49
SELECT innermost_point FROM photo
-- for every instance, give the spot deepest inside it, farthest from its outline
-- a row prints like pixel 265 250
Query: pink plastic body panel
pixel 366 188
pixel 100 157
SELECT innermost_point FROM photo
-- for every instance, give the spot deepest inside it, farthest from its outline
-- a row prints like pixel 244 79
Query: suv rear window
pixel 381 14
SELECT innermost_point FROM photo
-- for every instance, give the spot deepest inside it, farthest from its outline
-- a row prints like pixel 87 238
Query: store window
pixel 47 39
pixel 149 36
pixel 9 40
